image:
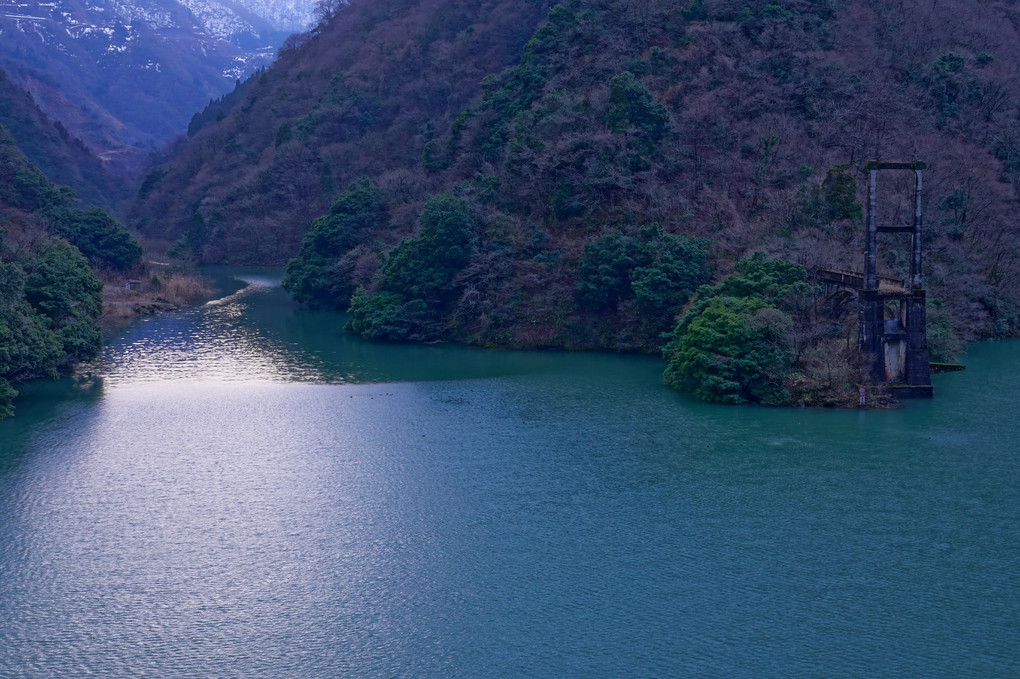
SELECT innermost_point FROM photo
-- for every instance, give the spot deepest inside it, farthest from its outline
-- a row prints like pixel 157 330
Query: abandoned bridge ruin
pixel 891 321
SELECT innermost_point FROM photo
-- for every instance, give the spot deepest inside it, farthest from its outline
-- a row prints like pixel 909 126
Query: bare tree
pixel 326 10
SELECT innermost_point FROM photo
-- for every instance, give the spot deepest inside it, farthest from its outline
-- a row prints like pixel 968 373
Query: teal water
pixel 243 490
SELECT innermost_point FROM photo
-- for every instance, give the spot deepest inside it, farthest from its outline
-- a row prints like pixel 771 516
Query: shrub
pixel 7 394
pixel 944 343
pixel 102 239
pixel 679 265
pixel 384 315
pixel 314 277
pixel 417 281
pixel 27 347
pixel 424 266
pixel 948 63
pixel 632 107
pixel 603 278
pixel 659 271
pixel 64 289
pixel 840 189
pixel 735 342
pixel 779 281
pixel 734 350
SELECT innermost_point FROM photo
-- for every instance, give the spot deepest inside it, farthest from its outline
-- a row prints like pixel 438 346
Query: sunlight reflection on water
pixel 245 490
pixel 214 343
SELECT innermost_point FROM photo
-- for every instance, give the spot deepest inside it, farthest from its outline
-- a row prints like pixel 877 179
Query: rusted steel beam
pixel 871 234
pixel 844 278
pixel 915 262
pixel 881 165
pixel 854 279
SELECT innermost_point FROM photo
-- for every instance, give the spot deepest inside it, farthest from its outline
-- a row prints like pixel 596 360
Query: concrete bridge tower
pixel 891 318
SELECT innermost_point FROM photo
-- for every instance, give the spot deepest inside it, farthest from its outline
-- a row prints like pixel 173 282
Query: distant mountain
pixel 282 15
pixel 126 76
pixel 362 96
pixel 245 21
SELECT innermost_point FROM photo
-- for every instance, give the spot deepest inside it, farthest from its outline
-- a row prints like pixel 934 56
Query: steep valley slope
pixel 594 145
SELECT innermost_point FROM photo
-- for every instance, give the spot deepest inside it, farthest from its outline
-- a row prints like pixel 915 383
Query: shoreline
pixel 148 293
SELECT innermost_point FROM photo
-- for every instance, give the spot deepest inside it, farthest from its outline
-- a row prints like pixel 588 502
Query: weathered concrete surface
pixel 892 326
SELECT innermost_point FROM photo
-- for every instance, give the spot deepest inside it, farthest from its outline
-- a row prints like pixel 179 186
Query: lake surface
pixel 244 490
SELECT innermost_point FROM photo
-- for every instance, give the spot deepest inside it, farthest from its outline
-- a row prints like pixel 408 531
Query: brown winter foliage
pixel 362 96
pixel 743 121
pixel 50 147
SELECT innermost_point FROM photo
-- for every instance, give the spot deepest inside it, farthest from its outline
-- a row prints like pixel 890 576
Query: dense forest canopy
pixel 63 158
pixel 49 293
pixel 607 158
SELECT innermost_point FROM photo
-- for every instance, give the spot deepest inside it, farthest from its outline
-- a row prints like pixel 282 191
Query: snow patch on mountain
pixel 284 15
pixel 227 19
pixel 218 19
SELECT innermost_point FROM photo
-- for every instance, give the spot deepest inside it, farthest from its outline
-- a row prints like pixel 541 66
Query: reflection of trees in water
pixel 317 340
pixel 257 334
pixel 44 401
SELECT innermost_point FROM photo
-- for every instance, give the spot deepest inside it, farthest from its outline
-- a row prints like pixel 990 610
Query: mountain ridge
pixel 63 158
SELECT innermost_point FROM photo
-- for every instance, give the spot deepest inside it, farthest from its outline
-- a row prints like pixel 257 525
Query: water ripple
pixel 242 497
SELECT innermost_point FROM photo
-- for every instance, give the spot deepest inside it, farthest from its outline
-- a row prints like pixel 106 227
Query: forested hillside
pixel 363 96
pixel 49 294
pixel 630 152
pixel 50 147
